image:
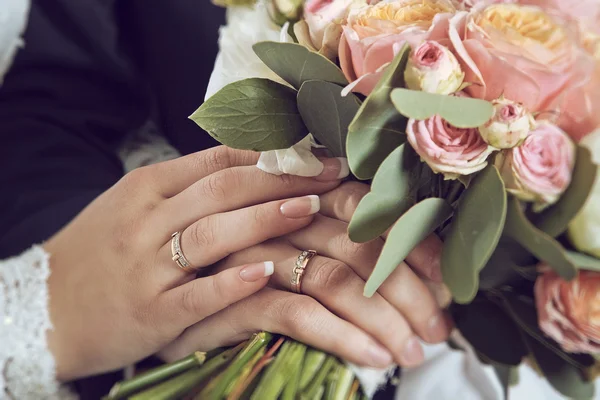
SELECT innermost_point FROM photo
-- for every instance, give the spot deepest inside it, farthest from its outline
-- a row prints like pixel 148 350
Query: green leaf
pixel 252 114
pixel 555 219
pixel 505 265
pixel 393 192
pixel 462 112
pixel 295 64
pixel 540 244
pixel 377 128
pixel 327 114
pixel 414 226
pixel 474 234
pixel 492 332
pixel 583 261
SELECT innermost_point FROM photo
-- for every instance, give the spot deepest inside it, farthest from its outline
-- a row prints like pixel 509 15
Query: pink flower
pixel 446 149
pixel 509 126
pixel 569 312
pixel 540 169
pixel 586 12
pixel 374 34
pixel 523 53
pixel 468 4
pixel 433 68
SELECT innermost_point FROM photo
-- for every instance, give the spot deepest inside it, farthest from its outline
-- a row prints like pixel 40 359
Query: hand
pixel 334 280
pixel 116 295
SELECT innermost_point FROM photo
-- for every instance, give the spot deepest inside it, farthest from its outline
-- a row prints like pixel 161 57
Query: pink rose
pixel 374 34
pixel 468 4
pixel 540 169
pixel 521 52
pixel 433 68
pixel 568 312
pixel 586 12
pixel 446 149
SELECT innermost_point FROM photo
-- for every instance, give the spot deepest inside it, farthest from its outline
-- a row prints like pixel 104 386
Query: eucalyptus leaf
pixel 462 112
pixel 540 244
pixel 377 128
pixel 505 265
pixel 414 226
pixel 393 192
pixel 555 219
pixel 474 234
pixel 327 114
pixel 490 330
pixel 295 64
pixel 252 114
pixel 563 376
pixel 583 261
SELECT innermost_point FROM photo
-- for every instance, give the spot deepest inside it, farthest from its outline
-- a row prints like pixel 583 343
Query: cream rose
pixel 521 52
pixel 540 169
pixel 446 149
pixel 569 312
pixel 374 34
pixel 584 230
pixel 433 68
pixel 509 126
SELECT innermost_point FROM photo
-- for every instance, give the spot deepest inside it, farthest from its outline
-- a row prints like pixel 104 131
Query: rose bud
pixel 282 11
pixel 509 126
pixel 584 230
pixel 569 311
pixel 433 68
pixel 447 149
pixel 540 169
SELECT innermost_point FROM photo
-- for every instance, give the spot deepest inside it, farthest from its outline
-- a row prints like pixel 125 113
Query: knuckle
pixel 202 233
pixel 287 181
pixel 298 314
pixel 353 193
pixel 217 159
pixel 215 187
pixel 332 275
pixel 360 252
pixel 190 302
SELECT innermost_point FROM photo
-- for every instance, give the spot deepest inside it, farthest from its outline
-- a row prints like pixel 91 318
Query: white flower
pixel 433 68
pixel 509 126
pixel 297 160
pixel 584 230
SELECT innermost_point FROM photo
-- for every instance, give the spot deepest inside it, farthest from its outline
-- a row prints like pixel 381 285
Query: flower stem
pixel 154 376
pixel 280 371
pixel 185 382
pixel 290 392
pixel 316 384
pixel 312 362
pixel 353 394
pixel 345 378
pixel 217 388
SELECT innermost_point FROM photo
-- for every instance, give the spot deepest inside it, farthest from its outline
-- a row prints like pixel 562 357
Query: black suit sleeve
pixel 67 102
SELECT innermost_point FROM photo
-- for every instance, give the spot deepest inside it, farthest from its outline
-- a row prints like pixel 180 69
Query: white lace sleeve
pixel 26 364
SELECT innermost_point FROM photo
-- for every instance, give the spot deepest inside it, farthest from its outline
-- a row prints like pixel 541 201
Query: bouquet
pixel 474 120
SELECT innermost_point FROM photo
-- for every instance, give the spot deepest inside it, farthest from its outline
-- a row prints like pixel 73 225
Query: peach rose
pixel 569 312
pixel 540 169
pixel 521 52
pixel 374 34
pixel 586 12
pixel 446 149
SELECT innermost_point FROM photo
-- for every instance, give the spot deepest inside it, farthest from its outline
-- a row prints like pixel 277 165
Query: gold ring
pixel 299 268
pixel 178 256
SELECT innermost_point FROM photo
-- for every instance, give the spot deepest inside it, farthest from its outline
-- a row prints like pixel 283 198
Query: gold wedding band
pixel 299 268
pixel 178 256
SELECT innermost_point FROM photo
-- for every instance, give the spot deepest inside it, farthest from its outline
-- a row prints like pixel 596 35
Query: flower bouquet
pixel 470 119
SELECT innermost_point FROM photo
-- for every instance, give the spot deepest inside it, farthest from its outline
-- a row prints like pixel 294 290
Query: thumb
pixel 200 298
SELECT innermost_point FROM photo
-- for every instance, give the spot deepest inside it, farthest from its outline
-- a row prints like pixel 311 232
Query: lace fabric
pixel 27 366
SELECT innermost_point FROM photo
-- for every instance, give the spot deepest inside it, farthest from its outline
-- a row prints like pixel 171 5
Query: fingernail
pixel 438 329
pixel 378 357
pixel 412 354
pixel 301 207
pixel 254 272
pixel 334 169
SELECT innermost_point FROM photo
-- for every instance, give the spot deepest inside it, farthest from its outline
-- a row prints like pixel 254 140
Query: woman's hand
pixel 332 313
pixel 116 295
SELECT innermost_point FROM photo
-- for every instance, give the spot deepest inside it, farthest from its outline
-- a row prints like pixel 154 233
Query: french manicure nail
pixel 412 354
pixel 438 329
pixel 254 272
pixel 334 169
pixel 378 357
pixel 301 207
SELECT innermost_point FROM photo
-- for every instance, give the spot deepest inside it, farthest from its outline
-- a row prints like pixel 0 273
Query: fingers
pixel 403 289
pixel 296 316
pixel 187 304
pixel 235 188
pixel 172 177
pixel 215 237
pixel 426 258
pixel 336 286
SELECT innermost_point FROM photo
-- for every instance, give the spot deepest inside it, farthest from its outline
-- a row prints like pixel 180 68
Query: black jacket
pixel 91 72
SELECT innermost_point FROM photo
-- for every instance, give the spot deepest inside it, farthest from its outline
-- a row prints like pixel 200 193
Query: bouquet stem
pixel 123 389
pixel 312 362
pixel 316 385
